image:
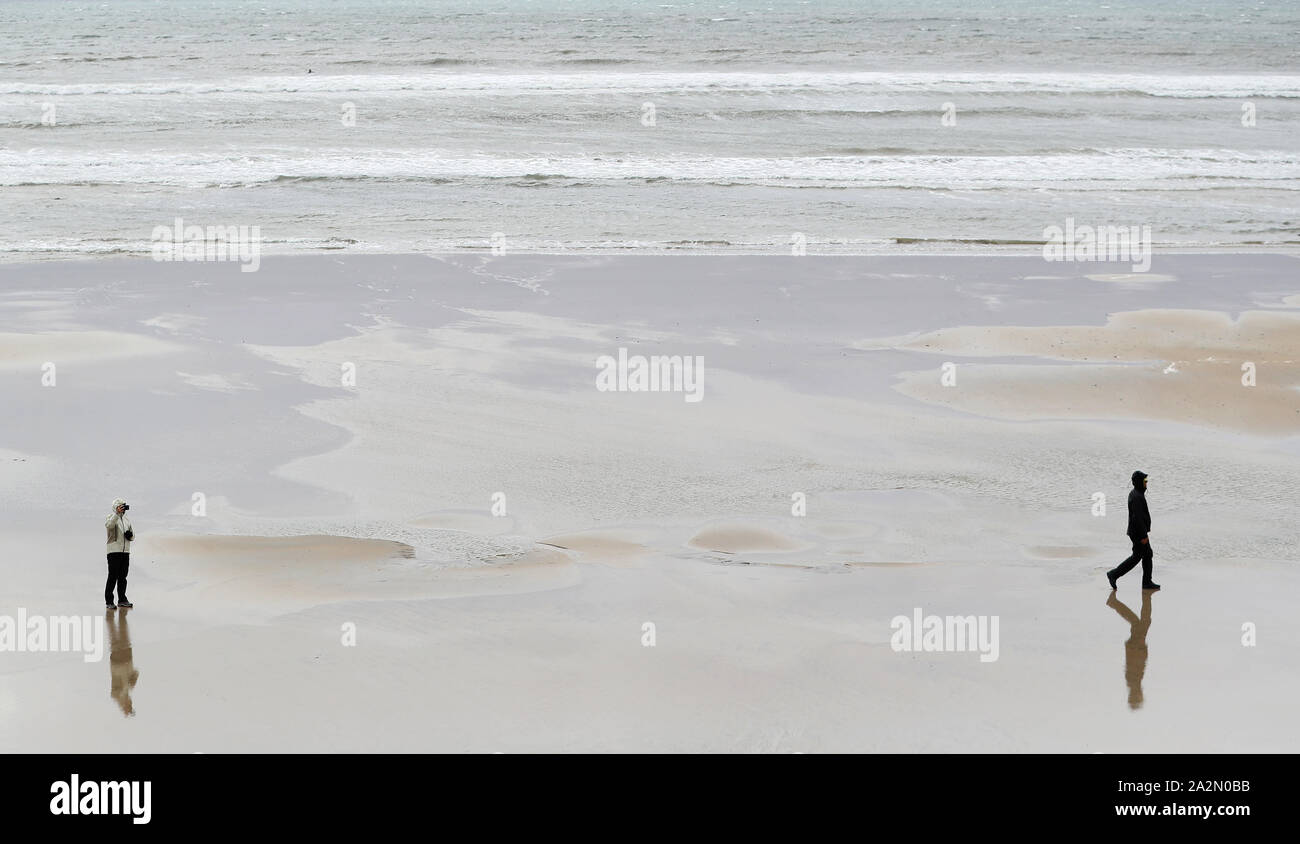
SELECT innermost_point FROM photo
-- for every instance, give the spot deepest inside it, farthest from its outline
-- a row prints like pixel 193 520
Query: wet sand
pixel 471 549
pixel 31 351
pixel 746 659
pixel 1188 366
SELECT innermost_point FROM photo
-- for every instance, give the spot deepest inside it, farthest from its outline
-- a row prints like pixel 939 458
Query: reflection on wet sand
pixel 120 662
pixel 1135 649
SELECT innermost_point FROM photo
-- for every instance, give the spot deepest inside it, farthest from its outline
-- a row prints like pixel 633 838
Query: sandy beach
pixel 382 505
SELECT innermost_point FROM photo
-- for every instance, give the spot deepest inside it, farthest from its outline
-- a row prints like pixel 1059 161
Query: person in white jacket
pixel 120 535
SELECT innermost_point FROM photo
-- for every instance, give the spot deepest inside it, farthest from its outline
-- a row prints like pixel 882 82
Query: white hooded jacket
pixel 117 526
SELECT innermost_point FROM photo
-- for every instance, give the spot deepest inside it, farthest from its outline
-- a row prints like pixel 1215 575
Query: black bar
pixel 333 793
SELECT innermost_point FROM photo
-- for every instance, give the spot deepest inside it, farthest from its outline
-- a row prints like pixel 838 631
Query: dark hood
pixel 1138 478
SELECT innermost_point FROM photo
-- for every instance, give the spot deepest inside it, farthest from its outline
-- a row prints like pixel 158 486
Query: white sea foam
pixel 1124 169
pixel 984 82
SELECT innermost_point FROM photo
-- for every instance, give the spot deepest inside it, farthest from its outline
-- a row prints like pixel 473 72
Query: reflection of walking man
pixel 120 662
pixel 1135 649
pixel 1139 525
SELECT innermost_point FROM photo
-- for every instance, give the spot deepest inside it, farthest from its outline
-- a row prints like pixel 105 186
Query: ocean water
pixel 448 126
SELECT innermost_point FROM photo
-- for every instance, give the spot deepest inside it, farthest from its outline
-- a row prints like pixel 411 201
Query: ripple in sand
pixel 1130 278
pixel 465 521
pixel 542 554
pixel 271 575
pixel 734 538
pixel 884 564
pixel 602 546
pixel 1060 552
pixel 280 550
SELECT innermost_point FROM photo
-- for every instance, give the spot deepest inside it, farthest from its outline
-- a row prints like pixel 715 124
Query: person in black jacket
pixel 1139 525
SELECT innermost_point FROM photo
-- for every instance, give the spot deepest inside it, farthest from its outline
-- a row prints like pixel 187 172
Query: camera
pixel 126 506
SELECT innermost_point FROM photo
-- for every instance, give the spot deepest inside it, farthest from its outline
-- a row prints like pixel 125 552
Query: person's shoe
pixel 110 606
pixel 1111 578
pixel 1151 586
pixel 128 604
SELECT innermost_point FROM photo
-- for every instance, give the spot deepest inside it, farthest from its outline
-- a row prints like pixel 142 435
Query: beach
pixel 382 502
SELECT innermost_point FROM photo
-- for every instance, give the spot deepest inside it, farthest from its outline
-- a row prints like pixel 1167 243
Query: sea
pixel 611 126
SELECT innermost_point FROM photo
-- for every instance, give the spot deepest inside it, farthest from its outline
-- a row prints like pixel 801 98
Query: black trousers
pixel 1141 551
pixel 118 563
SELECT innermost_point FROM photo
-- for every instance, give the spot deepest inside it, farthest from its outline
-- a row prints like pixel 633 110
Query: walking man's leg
pixel 1147 565
pixel 1126 566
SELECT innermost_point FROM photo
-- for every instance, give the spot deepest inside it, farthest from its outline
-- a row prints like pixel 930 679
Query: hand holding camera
pixel 122 508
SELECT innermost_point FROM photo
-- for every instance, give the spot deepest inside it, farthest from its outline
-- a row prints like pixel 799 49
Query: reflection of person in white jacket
pixel 119 554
